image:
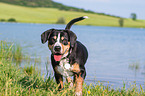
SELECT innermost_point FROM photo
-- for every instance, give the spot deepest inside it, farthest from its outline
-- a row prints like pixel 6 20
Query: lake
pixel 116 55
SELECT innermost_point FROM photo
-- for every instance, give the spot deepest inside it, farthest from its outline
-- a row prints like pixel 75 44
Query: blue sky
pixel 121 8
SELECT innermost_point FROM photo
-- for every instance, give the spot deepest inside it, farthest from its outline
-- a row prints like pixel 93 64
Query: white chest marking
pixel 64 68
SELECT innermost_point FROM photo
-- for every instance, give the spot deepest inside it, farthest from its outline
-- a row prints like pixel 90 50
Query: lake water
pixel 116 55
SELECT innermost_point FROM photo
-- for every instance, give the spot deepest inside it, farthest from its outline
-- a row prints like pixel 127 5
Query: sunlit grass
pixel 51 15
pixel 28 81
pixel 10 51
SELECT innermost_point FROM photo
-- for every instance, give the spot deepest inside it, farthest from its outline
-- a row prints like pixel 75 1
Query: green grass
pixel 28 81
pixel 11 51
pixel 51 15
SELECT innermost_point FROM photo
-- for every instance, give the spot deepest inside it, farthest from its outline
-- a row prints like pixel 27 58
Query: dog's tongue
pixel 57 57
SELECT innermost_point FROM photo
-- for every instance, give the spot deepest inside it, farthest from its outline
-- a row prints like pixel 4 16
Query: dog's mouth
pixel 57 56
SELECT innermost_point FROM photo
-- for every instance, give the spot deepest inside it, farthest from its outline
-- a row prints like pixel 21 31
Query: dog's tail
pixel 68 26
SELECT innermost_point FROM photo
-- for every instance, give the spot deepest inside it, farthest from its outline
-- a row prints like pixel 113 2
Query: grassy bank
pixel 51 15
pixel 27 81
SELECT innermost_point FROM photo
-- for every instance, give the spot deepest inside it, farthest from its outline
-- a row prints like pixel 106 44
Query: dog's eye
pixel 65 41
pixel 52 39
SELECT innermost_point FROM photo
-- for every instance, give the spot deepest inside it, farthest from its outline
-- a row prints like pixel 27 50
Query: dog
pixel 68 55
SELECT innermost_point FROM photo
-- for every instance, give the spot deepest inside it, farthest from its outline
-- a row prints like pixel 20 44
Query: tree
pixel 133 16
pixel 121 22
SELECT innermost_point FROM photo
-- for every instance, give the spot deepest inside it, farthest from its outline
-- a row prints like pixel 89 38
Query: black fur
pixel 68 26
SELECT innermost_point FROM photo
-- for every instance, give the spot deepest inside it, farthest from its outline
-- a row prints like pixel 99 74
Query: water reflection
pixel 135 67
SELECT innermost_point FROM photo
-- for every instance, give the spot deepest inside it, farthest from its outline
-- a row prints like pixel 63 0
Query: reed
pixel 10 51
pixel 5 50
pixel 17 53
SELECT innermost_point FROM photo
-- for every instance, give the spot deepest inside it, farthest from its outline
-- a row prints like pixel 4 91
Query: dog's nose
pixel 57 48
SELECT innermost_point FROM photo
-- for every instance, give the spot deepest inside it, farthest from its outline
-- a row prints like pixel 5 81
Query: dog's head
pixel 59 42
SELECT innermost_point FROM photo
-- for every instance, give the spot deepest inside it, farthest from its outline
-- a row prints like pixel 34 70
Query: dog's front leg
pixel 59 80
pixel 78 84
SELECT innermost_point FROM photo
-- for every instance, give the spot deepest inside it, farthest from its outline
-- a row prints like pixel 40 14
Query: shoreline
pixel 65 24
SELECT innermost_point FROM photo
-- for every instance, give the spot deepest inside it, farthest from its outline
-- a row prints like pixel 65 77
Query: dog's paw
pixel 78 93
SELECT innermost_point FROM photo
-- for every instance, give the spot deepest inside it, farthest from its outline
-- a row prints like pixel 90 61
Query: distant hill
pixel 50 4
pixel 44 3
pixel 9 12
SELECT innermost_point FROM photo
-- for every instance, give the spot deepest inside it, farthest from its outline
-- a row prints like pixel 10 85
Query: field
pixel 51 15
pixel 28 81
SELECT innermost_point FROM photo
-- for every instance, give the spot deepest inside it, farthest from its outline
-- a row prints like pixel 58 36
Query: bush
pixel 12 20
pixel 61 20
pixel 2 20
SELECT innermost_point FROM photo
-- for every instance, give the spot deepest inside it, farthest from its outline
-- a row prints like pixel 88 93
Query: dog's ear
pixel 45 35
pixel 72 37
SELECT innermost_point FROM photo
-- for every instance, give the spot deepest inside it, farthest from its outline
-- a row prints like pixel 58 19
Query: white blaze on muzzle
pixel 56 56
pixel 58 43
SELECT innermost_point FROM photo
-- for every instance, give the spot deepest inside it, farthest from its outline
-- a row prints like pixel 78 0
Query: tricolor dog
pixel 68 55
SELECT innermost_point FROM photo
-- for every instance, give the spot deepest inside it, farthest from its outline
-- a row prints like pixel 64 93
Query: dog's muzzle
pixel 57 48
pixel 57 53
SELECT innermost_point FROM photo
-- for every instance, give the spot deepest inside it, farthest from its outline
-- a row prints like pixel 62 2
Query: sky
pixel 122 8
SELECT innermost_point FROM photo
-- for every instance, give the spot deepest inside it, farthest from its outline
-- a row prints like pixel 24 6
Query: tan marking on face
pixel 78 85
pixel 75 68
pixel 55 37
pixel 65 48
pixel 62 38
pixel 50 46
